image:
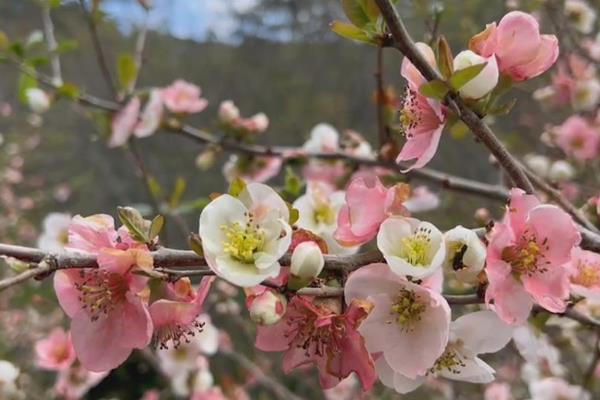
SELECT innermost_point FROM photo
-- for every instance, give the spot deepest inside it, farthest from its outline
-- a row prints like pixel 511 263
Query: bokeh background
pixel 274 56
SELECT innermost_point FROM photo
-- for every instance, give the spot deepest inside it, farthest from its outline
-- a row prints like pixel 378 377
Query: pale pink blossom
pixel 357 224
pixel 56 232
pixel 75 382
pixel 251 168
pixel 578 138
pixel 182 97
pixel 324 138
pixel 313 334
pixel 109 317
pixel 522 52
pixel 214 393
pixel 423 119
pixel 556 389
pixel 409 324
pixel 526 256
pixel 421 200
pixel 175 317
pixel 151 117
pixel 266 306
pixel 497 391
pixel 124 122
pixel 345 390
pixel 584 272
pixel 56 351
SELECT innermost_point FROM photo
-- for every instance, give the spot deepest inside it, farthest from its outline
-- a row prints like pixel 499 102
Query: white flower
pixel 260 122
pixel 561 171
pixel 323 138
pixel 556 389
pixel 55 235
pixel 228 111
pixel 411 247
pixel 586 94
pixel 422 199
pixel 465 254
pixel 485 81
pixel 541 357
pixel 151 116
pixel 581 15
pixel 38 100
pixel 345 390
pixel 307 260
pixel 470 335
pixel 539 164
pixel 243 238
pixel 318 209
pixel 8 380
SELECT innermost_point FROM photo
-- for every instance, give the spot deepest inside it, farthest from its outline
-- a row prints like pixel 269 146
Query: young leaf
pixel 180 185
pixel 195 243
pixel 462 77
pixel 504 108
pixel 25 82
pixel 350 31
pixel 445 58
pixel 371 10
pixel 435 89
pixel 135 223
pixel 68 90
pixel 4 41
pixel 127 70
pixel 236 187
pixel 355 12
pixel 294 214
pixel 292 183
pixel 65 46
pixel 156 226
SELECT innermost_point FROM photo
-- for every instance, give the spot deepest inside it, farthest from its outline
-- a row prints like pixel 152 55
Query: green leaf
pixel 355 12
pixel 178 190
pixel 195 243
pixel 461 77
pixel 445 57
pixel 297 283
pixel 154 187
pixel 64 46
pixel 540 319
pixel 236 187
pixel 503 109
pixel 38 61
pixel 350 31
pixel 25 82
pixel 435 89
pixel 127 70
pixel 54 3
pixel 68 90
pixel 292 183
pixel 156 226
pixel 4 41
pixel 371 10
pixel 135 223
pixel 294 214
pixel 17 49
pixel 459 130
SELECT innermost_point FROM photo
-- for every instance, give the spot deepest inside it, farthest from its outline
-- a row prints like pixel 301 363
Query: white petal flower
pixel 151 116
pixel 8 380
pixel 411 247
pixel 307 260
pixel 581 15
pixel 421 200
pixel 465 254
pixel 323 138
pixel 561 171
pixel 38 100
pixel 243 238
pixel 485 81
pixel 538 163
pixel 55 235
pixel 556 389
pixel 318 210
pixel 228 111
pixel 586 94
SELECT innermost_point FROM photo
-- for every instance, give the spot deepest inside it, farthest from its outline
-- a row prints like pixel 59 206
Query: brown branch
pixel 406 45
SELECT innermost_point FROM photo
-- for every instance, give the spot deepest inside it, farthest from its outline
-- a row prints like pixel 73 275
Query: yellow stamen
pixel 407 309
pixel 242 242
pixel 415 248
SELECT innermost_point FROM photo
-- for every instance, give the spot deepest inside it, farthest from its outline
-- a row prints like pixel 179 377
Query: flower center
pixel 242 241
pixel 63 237
pixel 588 275
pixel 315 338
pixel 323 214
pixel 100 291
pixel 410 115
pixel 527 256
pixel 407 309
pixel 414 249
pixel 449 361
pixel 456 253
pixel 177 334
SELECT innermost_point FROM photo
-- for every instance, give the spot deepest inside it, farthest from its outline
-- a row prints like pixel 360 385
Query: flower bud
pixel 485 81
pixel 561 171
pixel 206 159
pixel 307 261
pixel 38 100
pixel 465 254
pixel 540 165
pixel 267 307
pixel 228 111
pixel 260 122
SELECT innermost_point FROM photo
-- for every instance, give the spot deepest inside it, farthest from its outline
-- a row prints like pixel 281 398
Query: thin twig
pixel 51 44
pixel 140 45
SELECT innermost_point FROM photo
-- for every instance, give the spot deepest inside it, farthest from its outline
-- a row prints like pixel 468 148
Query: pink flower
pixel 497 391
pixel 556 389
pixel 313 334
pixel 151 116
pixel 578 138
pixel 409 323
pixel 251 168
pixel 357 224
pixel 175 317
pixel 73 383
pixel 124 122
pixel 421 200
pixel 214 393
pixel 521 51
pixel 183 97
pixel 423 119
pixel 109 317
pixel 56 351
pixel 584 271
pixel 526 256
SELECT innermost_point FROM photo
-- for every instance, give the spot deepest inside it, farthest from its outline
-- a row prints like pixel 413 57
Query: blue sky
pixel 184 19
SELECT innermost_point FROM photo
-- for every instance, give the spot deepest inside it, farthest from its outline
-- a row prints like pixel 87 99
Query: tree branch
pixel 406 45
pixel 51 44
